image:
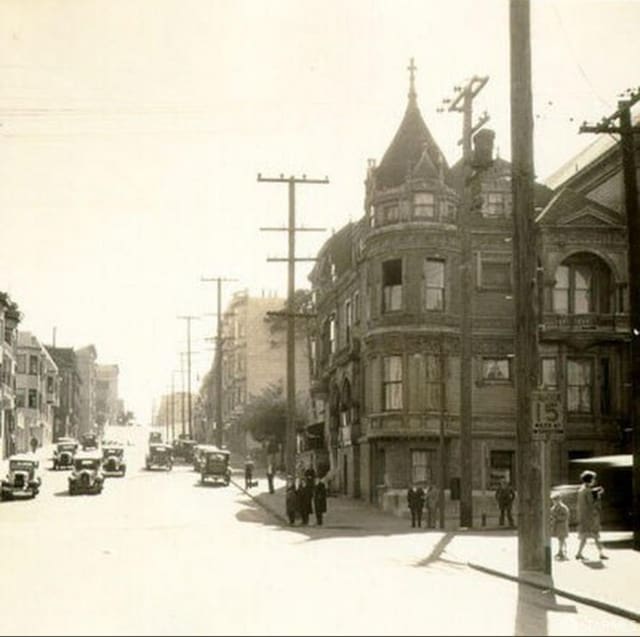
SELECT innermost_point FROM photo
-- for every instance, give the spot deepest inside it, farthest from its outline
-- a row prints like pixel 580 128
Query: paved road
pixel 158 554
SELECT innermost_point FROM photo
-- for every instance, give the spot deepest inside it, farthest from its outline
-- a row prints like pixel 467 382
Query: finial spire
pixel 412 68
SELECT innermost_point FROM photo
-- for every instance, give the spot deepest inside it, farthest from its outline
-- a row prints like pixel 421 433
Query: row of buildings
pixel 48 392
pixel 382 357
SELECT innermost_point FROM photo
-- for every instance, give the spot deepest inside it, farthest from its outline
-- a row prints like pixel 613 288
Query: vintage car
pixel 198 455
pixel 89 441
pixel 87 476
pixel 215 465
pixel 183 448
pixel 113 463
pixel 160 456
pixel 64 453
pixel 155 436
pixel 22 480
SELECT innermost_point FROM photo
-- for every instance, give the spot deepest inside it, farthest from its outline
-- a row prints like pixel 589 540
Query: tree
pixel 265 415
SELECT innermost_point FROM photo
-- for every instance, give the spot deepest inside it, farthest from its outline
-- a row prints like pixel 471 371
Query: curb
pixel 269 509
pixel 609 608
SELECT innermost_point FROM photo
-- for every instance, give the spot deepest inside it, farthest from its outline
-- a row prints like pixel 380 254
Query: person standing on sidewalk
pixel 320 501
pixel 415 502
pixel 248 473
pixel 270 475
pixel 432 501
pixel 34 444
pixel 589 508
pixel 291 500
pixel 559 519
pixel 505 495
pixel 305 497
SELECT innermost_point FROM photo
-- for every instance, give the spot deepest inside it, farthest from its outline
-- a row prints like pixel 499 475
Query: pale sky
pixel 132 132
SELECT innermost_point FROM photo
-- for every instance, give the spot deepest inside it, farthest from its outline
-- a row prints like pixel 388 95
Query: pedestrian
pixel 505 495
pixel 310 475
pixel 270 475
pixel 432 501
pixel 248 473
pixel 559 518
pixel 305 497
pixel 291 500
pixel 34 444
pixel 589 509
pixel 415 501
pixel 320 501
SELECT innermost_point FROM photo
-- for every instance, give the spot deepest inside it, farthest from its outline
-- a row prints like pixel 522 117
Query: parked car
pixel 113 463
pixel 159 456
pixel 87 476
pixel 155 436
pixel 64 453
pixel 22 480
pixel 215 465
pixel 89 441
pixel 183 448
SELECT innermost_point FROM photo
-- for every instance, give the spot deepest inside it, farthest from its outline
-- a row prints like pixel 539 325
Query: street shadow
pixel 437 553
pixel 209 485
pixel 534 606
pixel 63 494
pixel 594 565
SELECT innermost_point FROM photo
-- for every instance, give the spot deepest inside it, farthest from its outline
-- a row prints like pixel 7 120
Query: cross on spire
pixel 412 68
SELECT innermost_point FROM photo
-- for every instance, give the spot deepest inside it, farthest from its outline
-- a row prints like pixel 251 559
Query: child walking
pixel 560 524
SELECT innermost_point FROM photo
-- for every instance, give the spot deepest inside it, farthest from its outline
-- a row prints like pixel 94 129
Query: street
pixel 156 553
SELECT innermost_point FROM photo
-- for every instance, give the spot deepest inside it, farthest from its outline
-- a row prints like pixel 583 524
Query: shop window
pixel 392 285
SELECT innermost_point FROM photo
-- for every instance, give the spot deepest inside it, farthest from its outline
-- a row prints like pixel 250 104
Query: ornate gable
pixel 569 208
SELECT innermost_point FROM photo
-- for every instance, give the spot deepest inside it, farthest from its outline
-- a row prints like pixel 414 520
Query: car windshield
pixel 20 465
pixel 112 452
pixel 67 447
pixel 217 457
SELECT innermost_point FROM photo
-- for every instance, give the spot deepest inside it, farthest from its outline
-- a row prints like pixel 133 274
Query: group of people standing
pixel 305 496
pixel 419 498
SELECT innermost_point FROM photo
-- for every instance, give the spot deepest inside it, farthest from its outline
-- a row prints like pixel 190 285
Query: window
pixel 392 285
pixel 348 320
pixel 33 365
pixel 434 382
pixel 434 284
pixel 495 273
pixel 496 204
pixel 50 385
pixel 496 369
pixel 424 205
pixel 390 213
pixel 501 467
pixel 579 385
pixel 583 285
pixel 549 373
pixel 33 399
pixel 22 364
pixel 356 307
pixel 392 383
pixel 20 398
pixel 448 211
pixel 313 355
pixel 332 334
pixel 422 464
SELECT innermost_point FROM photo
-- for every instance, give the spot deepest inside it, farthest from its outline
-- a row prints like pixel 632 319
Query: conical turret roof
pixel 412 144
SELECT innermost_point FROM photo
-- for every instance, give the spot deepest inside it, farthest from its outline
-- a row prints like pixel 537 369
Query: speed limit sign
pixel 547 416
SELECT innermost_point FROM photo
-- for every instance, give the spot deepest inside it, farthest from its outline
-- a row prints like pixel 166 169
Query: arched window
pixel 583 286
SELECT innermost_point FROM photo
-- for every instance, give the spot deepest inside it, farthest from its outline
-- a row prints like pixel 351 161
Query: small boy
pixel 560 524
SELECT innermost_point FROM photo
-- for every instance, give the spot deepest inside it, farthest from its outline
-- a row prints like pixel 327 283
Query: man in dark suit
pixel 320 501
pixel 415 501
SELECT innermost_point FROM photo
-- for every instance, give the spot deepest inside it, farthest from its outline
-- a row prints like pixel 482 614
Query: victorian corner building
pixel 386 348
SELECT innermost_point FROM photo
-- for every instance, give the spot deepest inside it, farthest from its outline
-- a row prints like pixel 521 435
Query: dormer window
pixel 424 205
pixel 496 204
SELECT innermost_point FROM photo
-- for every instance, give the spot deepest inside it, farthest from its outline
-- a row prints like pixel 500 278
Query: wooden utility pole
pixel 531 500
pixel 173 405
pixel 463 103
pixel 188 319
pixel 219 425
pixel 627 132
pixel 290 441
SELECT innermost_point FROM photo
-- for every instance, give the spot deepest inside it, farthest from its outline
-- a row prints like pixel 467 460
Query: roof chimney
pixel 483 148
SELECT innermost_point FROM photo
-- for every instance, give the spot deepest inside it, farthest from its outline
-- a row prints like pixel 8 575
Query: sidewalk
pixel 612 585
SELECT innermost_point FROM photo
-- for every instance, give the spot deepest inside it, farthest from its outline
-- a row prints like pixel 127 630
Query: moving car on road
pixel 183 448
pixel 155 436
pixel 113 463
pixel 23 480
pixel 215 465
pixel 160 456
pixel 87 476
pixel 63 454
pixel 199 455
pixel 89 441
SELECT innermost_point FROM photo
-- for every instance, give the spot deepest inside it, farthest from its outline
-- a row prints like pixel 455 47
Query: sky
pixel 132 133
